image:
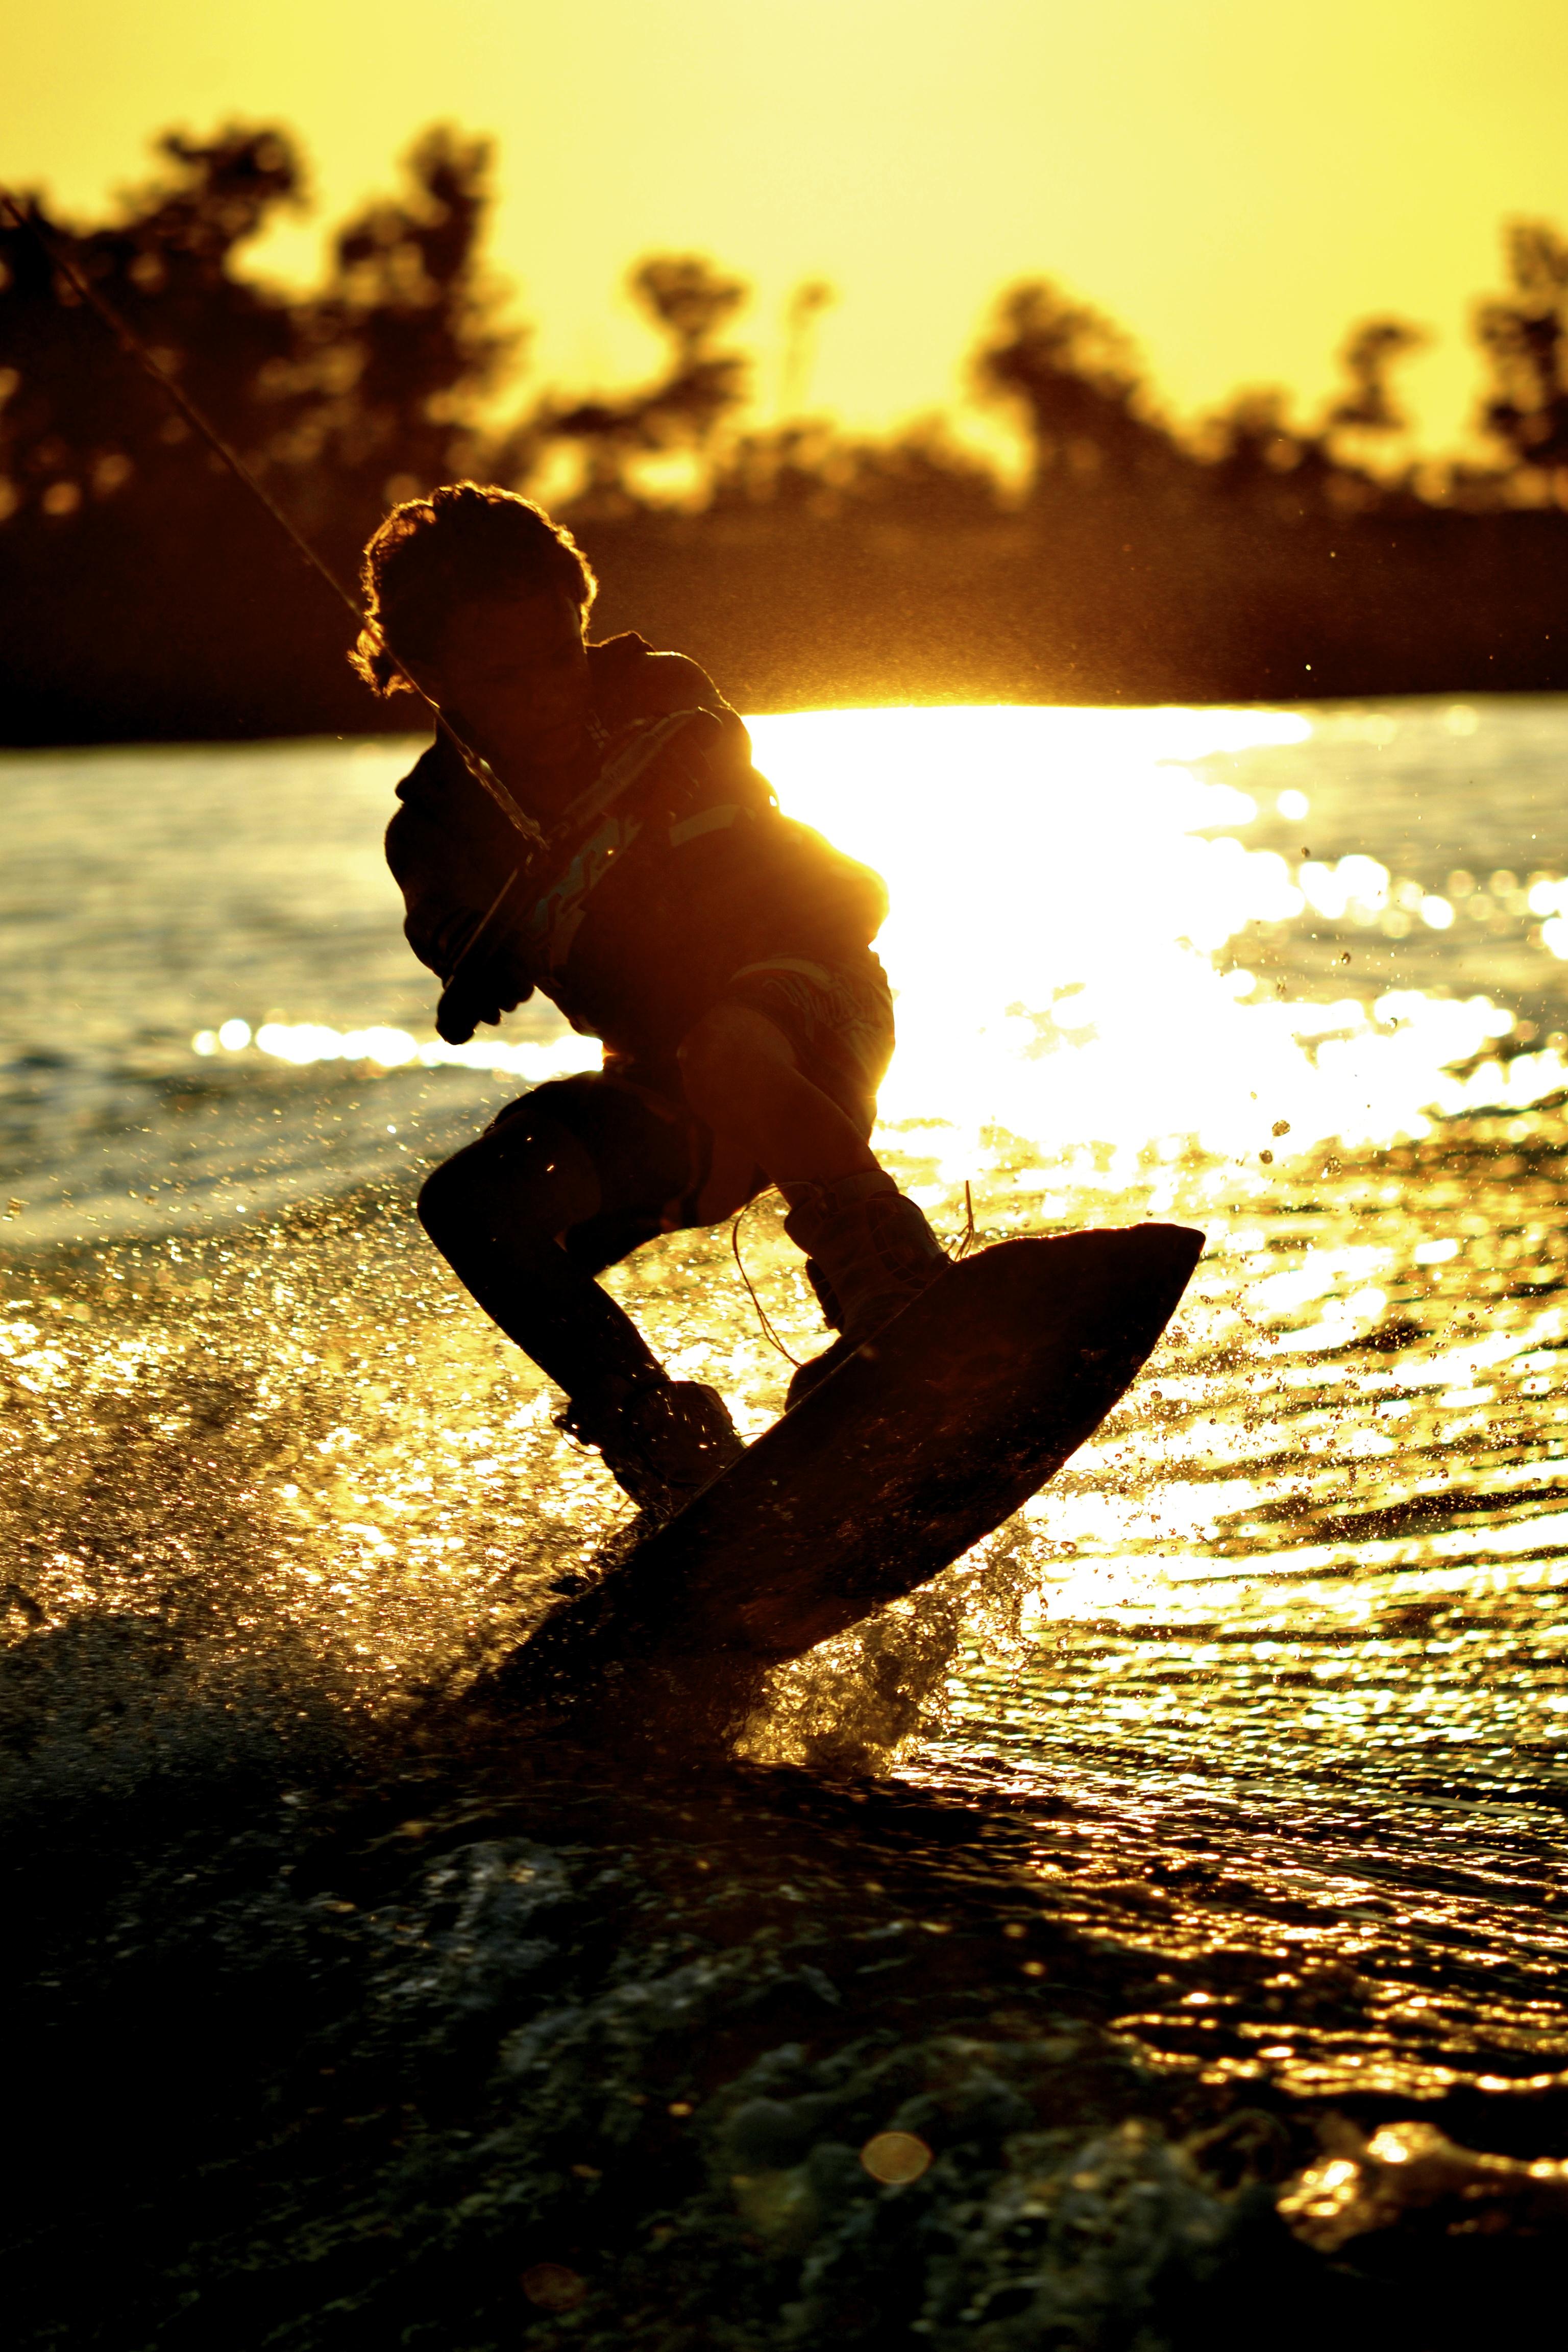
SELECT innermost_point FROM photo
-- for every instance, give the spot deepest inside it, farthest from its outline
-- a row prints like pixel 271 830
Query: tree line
pixel 1145 557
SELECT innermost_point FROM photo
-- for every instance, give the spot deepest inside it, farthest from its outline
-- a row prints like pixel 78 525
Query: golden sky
pixel 1235 180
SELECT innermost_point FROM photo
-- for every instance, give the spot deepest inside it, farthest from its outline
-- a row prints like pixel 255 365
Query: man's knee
pixel 447 1200
pixel 525 1182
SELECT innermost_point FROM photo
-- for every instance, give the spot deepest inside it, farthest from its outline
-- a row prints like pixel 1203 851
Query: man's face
pixel 515 670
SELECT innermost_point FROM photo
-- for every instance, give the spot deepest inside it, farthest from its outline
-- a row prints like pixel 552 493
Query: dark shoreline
pixel 231 639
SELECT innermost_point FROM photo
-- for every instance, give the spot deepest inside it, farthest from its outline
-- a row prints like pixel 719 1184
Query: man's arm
pixel 669 682
pixel 444 905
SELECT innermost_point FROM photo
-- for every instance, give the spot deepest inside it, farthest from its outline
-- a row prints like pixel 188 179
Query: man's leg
pixel 499 1212
pixel 496 1212
pixel 743 1080
pixel 869 1249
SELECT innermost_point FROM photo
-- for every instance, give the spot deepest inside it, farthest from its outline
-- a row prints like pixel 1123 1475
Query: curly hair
pixel 462 542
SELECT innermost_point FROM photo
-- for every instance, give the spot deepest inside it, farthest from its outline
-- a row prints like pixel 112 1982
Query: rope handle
pixel 960 1249
pixel 768 1332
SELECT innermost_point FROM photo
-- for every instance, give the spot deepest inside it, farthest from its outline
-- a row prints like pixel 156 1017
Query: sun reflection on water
pixel 1063 903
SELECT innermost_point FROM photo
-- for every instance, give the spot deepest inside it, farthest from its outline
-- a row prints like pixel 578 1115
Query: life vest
pixel 653 774
pixel 689 872
pixel 671 869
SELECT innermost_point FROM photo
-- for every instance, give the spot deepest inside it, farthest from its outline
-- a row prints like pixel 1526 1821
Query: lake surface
pixel 1282 1655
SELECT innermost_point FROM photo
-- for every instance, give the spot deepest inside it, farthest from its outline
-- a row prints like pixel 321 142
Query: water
pixel 1276 1668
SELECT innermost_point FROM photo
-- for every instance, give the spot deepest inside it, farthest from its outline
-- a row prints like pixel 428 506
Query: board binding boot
pixel 868 1252
pixel 662 1440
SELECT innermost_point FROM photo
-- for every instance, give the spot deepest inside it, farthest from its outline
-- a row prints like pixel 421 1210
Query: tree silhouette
pixel 404 343
pixel 1251 442
pixel 690 302
pixel 806 304
pixel 921 477
pixel 1077 376
pixel 76 429
pixel 1368 356
pixel 362 393
pixel 1524 337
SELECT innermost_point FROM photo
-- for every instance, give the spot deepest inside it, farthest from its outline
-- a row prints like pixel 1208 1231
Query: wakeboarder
pixel 721 951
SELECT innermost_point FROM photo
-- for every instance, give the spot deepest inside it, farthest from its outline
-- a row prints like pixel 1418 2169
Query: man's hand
pixel 484 980
pixel 471 999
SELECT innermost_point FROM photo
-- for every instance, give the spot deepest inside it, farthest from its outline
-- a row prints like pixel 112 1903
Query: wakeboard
pixel 925 1440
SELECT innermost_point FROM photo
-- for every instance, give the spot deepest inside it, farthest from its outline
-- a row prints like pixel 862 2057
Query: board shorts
pixel 653 1155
